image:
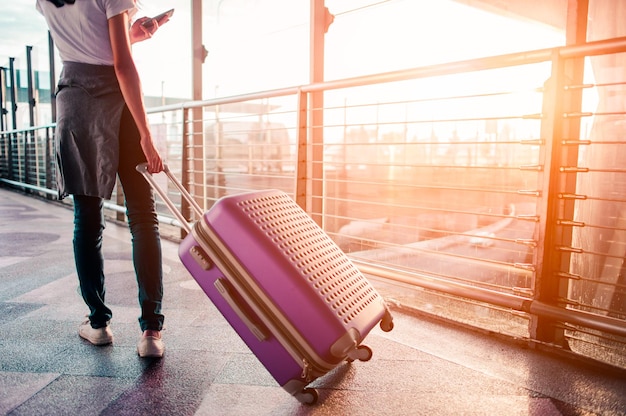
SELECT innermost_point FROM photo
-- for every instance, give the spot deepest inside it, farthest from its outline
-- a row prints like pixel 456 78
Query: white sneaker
pixel 151 345
pixel 97 336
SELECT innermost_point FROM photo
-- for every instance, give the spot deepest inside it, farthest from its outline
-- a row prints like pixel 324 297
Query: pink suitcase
pixel 286 288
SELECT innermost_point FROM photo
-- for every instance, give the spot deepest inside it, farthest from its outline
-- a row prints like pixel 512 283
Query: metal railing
pixel 488 191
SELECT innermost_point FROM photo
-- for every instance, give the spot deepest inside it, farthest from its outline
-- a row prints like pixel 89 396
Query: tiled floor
pixel 420 368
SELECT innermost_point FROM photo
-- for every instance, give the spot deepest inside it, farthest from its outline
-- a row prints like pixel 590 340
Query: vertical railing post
pixel 197 181
pixel 186 142
pixel 50 143
pixel 3 111
pixel 30 141
pixel 52 75
pixel 13 96
pixel 49 158
pixel 557 201
pixel 302 160
pixel 30 86
pixel 219 177
pixel 320 20
pixel 545 284
pixel 13 92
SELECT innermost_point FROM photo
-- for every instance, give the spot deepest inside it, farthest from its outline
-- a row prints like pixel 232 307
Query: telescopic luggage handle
pixel 143 169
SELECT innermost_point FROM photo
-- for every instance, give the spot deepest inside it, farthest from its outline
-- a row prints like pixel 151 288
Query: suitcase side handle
pixel 224 288
pixel 143 169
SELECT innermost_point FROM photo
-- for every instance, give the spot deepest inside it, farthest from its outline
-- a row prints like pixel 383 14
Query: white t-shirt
pixel 80 31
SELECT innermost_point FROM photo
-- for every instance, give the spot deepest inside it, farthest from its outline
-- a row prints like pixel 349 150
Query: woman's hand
pixel 145 27
pixel 155 163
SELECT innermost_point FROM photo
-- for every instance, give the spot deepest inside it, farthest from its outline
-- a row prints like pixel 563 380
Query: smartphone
pixel 158 18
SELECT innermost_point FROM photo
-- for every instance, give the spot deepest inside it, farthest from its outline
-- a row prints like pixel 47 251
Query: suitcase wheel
pixel 308 395
pixel 361 353
pixel 386 324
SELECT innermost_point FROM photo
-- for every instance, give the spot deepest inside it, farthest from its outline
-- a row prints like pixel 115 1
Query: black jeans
pixel 146 243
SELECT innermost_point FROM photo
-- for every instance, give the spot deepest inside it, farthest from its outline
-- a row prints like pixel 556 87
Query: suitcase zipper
pixel 306 370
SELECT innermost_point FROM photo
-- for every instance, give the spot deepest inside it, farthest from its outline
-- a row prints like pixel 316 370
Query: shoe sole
pixel 99 342
pixel 154 355
pixel 96 341
pixel 151 354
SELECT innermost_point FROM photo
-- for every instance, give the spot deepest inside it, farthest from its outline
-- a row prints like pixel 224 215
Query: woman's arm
pixel 130 85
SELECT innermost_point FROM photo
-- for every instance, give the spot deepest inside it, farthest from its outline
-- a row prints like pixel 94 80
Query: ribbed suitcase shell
pixel 290 278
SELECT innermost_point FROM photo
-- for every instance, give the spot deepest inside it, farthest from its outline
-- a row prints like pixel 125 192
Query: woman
pixel 102 131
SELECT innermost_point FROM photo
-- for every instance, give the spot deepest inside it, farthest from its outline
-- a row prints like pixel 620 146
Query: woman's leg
pixel 144 227
pixel 88 228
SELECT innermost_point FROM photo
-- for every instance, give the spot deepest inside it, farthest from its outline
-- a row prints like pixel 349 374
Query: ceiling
pixel 550 12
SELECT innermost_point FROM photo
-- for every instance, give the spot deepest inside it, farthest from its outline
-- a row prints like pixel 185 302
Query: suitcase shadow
pixel 339 375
